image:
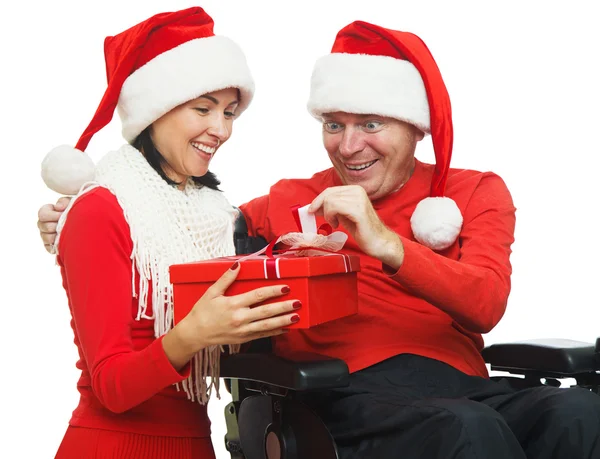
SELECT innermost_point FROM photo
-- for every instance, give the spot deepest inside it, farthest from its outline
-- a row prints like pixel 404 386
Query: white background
pixel 523 78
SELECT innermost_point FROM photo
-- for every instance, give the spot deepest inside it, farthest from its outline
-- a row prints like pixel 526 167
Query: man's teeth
pixel 204 148
pixel 361 166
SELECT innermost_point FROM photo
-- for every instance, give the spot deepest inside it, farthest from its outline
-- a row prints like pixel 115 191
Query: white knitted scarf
pixel 168 226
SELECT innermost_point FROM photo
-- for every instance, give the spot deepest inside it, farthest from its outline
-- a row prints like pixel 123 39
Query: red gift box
pixel 326 285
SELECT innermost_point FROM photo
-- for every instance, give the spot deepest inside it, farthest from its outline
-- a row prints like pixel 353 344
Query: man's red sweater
pixel 436 305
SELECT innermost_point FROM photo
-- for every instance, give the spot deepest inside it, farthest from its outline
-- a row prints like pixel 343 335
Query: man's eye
pixel 372 125
pixel 332 127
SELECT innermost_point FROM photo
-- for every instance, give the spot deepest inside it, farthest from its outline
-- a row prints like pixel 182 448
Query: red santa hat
pixel 373 70
pixel 151 68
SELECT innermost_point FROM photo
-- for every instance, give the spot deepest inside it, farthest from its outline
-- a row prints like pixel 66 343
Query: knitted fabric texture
pixel 168 226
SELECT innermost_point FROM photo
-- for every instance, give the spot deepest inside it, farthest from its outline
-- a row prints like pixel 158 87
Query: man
pixel 434 245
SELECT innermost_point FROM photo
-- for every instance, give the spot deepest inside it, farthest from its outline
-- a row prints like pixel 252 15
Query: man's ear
pixel 419 135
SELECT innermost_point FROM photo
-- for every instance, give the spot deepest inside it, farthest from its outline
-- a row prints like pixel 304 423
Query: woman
pixel 152 203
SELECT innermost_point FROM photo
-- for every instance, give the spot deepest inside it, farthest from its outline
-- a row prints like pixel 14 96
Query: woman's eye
pixel 229 115
pixel 203 111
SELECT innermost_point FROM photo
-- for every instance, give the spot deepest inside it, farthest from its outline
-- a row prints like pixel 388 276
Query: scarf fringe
pixel 168 226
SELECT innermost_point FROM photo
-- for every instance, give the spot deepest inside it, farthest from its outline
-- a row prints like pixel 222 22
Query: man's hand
pixel 350 207
pixel 48 217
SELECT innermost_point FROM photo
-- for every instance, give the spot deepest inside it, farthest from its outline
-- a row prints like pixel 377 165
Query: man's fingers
pixel 317 203
pixel 330 216
pixel 50 249
pixel 48 214
pixel 48 235
pixel 330 213
pixel 331 203
pixel 47 227
pixel 62 203
pixel 335 194
pixel 48 238
pixel 332 220
pixel 315 206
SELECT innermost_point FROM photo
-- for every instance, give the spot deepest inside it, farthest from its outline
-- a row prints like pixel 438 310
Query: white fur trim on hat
pixel 370 85
pixel 436 222
pixel 179 75
pixel 65 169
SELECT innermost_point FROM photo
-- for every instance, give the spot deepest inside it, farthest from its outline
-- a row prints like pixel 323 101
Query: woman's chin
pixel 199 171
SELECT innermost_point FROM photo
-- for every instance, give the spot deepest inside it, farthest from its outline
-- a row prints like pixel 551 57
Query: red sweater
pixel 437 304
pixel 126 381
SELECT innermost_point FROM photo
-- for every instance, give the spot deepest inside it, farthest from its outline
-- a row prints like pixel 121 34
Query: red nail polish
pixel 295 318
pixel 234 266
pixel 296 305
pixel 285 289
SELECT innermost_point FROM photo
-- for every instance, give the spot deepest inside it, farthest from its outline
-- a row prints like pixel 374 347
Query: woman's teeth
pixel 360 166
pixel 204 148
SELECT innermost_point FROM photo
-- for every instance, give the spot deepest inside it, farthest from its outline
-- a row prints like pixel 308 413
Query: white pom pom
pixel 65 169
pixel 436 222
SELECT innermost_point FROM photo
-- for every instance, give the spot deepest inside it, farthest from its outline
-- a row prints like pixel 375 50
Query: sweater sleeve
pixel 95 248
pixel 474 289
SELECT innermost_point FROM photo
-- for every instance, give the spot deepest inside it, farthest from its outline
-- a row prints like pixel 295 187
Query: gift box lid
pixel 263 267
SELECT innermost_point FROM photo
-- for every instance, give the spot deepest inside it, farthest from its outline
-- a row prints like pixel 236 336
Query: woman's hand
pixel 217 319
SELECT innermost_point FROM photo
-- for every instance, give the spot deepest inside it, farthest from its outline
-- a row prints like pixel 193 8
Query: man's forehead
pixel 357 116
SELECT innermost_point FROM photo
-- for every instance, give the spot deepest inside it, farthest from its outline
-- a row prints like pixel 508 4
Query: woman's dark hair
pixel 144 143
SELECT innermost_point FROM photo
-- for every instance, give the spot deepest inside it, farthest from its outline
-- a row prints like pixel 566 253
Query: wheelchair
pixel 265 419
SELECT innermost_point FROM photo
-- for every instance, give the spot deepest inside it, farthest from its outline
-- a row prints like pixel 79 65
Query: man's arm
pixel 474 289
pixel 255 212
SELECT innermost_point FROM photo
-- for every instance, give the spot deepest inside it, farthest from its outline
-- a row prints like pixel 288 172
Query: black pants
pixel 411 407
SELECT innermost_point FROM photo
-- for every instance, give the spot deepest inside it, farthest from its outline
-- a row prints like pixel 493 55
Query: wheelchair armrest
pixel 547 357
pixel 301 372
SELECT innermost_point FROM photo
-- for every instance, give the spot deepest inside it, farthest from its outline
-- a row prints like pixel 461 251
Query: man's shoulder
pixel 459 174
pixel 461 180
pixel 470 179
pixel 472 189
